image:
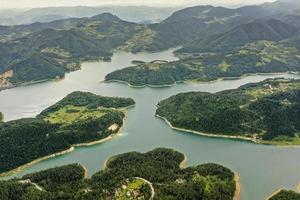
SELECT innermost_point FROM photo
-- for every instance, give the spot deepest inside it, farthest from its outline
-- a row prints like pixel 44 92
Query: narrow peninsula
pixel 259 57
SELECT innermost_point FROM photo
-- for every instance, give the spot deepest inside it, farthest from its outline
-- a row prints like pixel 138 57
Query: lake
pixel 262 168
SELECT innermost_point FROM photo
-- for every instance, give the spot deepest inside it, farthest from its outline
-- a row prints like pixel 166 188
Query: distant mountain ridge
pixel 47 14
pixel 271 30
pixel 62 44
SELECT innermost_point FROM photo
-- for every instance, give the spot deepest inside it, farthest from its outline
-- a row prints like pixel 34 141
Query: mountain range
pixel 42 51
pixel 139 14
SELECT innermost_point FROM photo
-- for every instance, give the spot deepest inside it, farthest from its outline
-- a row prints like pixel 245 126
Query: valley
pixel 65 122
pixel 143 131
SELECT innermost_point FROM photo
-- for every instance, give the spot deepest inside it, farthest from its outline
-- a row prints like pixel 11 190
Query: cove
pixel 263 169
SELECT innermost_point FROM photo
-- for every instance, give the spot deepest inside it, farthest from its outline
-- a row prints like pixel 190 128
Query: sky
pixel 4 4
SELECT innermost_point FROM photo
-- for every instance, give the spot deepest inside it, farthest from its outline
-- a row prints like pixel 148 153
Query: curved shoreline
pixel 237 192
pixel 80 61
pixel 273 194
pixel 86 172
pixel 243 138
pixel 199 81
pixel 138 86
pixel 208 135
pixel 183 163
pixel 72 148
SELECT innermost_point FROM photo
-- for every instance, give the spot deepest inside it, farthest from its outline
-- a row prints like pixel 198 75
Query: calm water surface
pixel 263 169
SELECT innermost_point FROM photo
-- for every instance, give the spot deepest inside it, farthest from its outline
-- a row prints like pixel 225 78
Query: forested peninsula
pixel 153 175
pixel 265 112
pixel 257 57
pixel 78 119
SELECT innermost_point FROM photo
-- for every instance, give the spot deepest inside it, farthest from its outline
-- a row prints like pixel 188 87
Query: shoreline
pixel 183 163
pixel 243 138
pixel 138 86
pixel 237 192
pixel 53 79
pixel 105 164
pixel 208 135
pixel 30 83
pixel 147 85
pixel 86 172
pixel 273 194
pixel 71 149
pixel 199 82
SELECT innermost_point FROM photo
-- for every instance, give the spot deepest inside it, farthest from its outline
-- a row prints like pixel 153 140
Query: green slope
pixel 49 53
pixel 271 30
pixel 258 57
pixel 128 173
pixel 267 111
pixel 79 118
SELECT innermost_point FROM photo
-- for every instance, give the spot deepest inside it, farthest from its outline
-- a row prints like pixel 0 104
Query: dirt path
pixel 151 187
pixel 28 181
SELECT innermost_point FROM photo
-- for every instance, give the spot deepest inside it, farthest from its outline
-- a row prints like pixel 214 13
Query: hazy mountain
pixel 271 30
pixel 281 7
pixel 293 41
pixel 128 13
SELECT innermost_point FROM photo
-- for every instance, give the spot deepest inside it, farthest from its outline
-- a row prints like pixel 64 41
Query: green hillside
pixel 258 57
pixel 266 112
pixel 78 118
pixel 49 53
pixel 270 30
pixel 127 176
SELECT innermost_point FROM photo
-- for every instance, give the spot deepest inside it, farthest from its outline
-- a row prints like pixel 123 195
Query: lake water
pixel 263 169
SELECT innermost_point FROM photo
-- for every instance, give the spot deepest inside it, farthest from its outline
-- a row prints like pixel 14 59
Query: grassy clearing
pixel 70 114
pixel 129 188
pixel 288 142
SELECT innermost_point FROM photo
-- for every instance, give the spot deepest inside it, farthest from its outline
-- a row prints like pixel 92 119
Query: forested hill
pixel 130 175
pixel 79 118
pixel 90 101
pixel 57 47
pixel 193 26
pixel 257 57
pixel 43 51
pixel 1 117
pixel 266 112
pixel 270 30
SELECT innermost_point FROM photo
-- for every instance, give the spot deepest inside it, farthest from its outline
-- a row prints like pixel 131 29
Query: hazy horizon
pixel 17 4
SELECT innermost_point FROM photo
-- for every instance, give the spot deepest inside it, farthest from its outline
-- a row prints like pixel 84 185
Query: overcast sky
pixel 47 3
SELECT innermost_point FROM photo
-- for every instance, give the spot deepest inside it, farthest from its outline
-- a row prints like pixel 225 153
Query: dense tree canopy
pixel 160 167
pixel 258 57
pixel 59 127
pixel 268 110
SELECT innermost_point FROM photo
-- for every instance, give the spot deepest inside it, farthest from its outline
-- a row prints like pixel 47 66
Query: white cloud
pixel 45 3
